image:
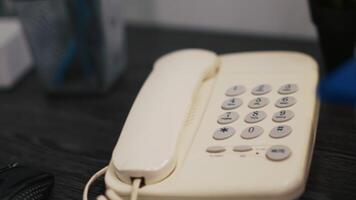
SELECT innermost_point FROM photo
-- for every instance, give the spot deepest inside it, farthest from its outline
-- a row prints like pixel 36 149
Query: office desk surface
pixel 74 137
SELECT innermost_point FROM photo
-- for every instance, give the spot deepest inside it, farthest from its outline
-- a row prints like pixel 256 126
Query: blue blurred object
pixel 340 85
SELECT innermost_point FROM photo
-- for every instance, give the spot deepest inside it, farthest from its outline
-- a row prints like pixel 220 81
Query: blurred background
pixel 71 69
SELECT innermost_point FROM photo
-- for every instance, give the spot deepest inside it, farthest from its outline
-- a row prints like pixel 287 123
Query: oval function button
pixel 282 116
pixel 288 89
pixel 228 117
pixel 280 131
pixel 258 102
pixel 242 148
pixel 261 89
pixel 215 149
pixel 231 103
pixel 235 90
pixel 284 102
pixel 224 133
pixel 252 132
pixel 278 153
pixel 255 116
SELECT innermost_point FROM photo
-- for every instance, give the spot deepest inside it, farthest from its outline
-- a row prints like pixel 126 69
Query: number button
pixel 252 132
pixel 255 116
pixel 231 103
pixel 285 102
pixel 259 102
pixel 228 117
pixel 235 90
pixel 282 116
pixel 224 133
pixel 261 89
pixel 280 131
pixel 278 153
pixel 288 89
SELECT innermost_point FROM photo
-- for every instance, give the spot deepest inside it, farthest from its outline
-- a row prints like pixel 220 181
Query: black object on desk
pixel 18 183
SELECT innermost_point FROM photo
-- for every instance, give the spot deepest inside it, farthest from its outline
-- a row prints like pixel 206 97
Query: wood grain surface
pixel 73 137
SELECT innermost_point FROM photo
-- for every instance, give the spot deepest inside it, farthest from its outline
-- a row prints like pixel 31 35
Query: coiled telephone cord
pixel 110 194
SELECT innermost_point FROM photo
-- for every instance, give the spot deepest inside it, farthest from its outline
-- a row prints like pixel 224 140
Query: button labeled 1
pixel 235 90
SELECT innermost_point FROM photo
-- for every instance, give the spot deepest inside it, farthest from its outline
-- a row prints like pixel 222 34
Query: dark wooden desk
pixel 74 137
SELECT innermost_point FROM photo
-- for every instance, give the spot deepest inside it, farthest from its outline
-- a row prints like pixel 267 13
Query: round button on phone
pixel 224 133
pixel 278 153
pixel 252 132
pixel 255 116
pixel 231 103
pixel 258 102
pixel 282 116
pixel 235 90
pixel 280 131
pixel 261 89
pixel 215 149
pixel 288 89
pixel 228 117
pixel 284 102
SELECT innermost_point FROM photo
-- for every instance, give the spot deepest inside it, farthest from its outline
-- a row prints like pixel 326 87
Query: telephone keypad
pixel 224 133
pixel 255 116
pixel 258 102
pixel 273 153
pixel 261 89
pixel 285 102
pixel 283 116
pixel 228 118
pixel 231 103
pixel 252 132
pixel 235 90
pixel 288 89
pixel 278 153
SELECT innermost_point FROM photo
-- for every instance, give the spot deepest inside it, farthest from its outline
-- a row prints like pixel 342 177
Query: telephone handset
pixel 148 142
pixel 236 126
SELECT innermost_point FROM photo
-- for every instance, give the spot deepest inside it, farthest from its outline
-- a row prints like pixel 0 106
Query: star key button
pixel 223 133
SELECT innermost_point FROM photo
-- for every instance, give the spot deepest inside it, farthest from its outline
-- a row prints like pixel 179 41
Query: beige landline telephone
pixel 237 126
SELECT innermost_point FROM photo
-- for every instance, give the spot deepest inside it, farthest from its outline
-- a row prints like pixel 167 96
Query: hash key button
pixel 282 116
pixel 278 153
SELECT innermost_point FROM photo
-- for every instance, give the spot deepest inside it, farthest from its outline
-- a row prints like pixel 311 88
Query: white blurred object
pixel 15 56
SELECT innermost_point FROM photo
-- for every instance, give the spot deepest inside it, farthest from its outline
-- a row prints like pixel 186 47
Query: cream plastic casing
pixel 177 165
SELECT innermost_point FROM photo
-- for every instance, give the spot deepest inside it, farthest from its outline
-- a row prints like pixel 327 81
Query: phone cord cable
pixel 110 194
